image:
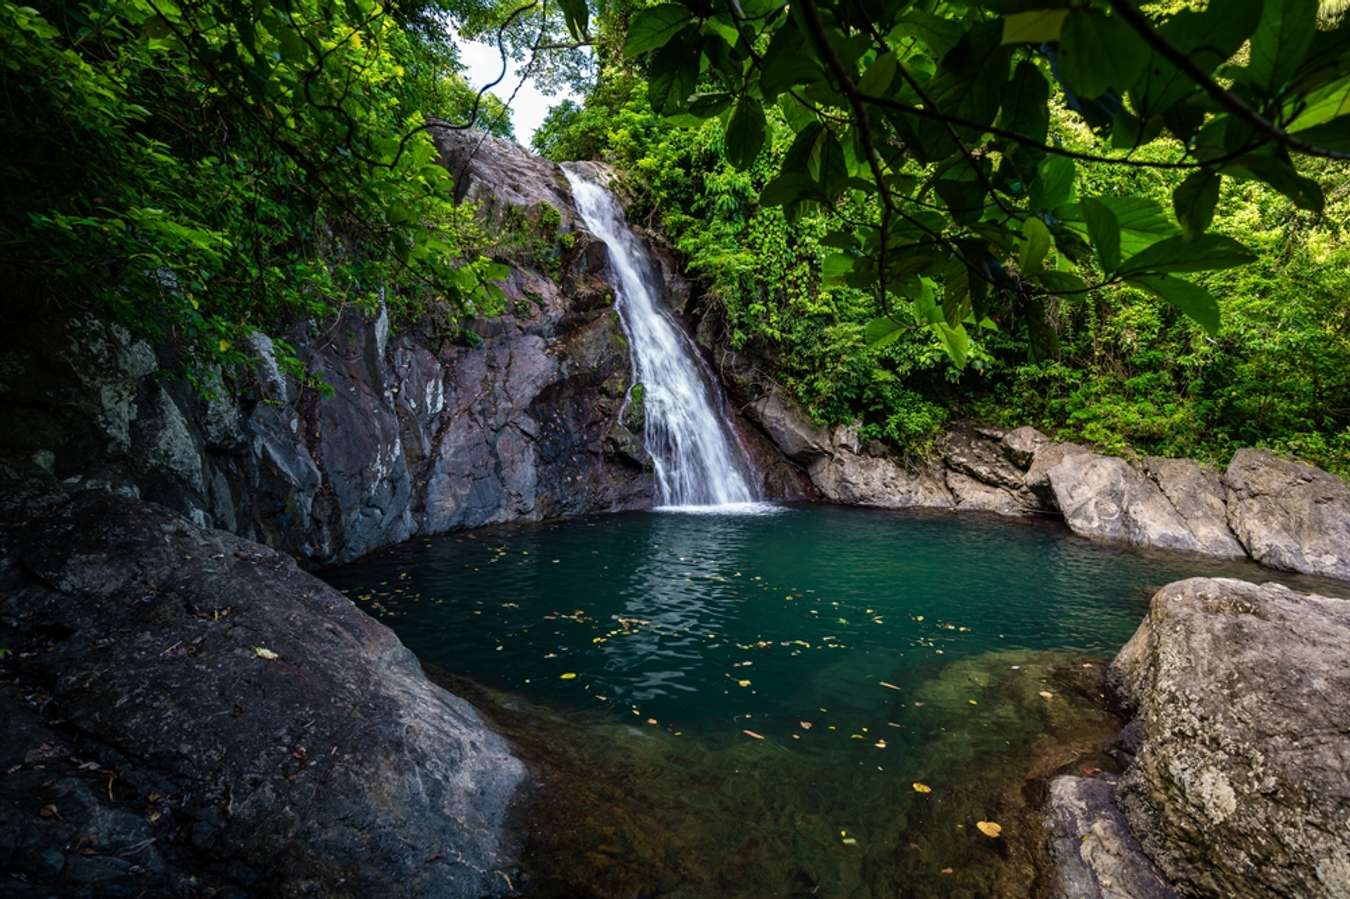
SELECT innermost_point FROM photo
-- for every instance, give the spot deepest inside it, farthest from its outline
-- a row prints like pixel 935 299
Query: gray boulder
pixel 857 475
pixel 1044 457
pixel 1289 515
pixel 1105 498
pixel 1241 697
pixel 1093 853
pixel 1197 495
pixel 1020 445
pixel 791 430
pixel 191 712
pixel 981 476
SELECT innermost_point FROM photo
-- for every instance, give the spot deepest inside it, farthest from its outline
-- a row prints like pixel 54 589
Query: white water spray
pixel 698 461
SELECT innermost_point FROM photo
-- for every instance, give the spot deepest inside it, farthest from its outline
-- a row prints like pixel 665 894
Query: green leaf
pixel 1098 52
pixel 577 17
pixel 1304 192
pixel 1041 26
pixel 1053 184
pixel 654 27
pixel 745 132
pixel 955 341
pixel 673 75
pixel 787 189
pixel 1035 244
pixel 836 266
pixel 1193 300
pixel 1104 230
pixel 1061 282
pixel 876 81
pixel 1142 221
pixel 1323 104
pixel 882 332
pixel 1209 37
pixel 1025 107
pixel 1281 40
pixel 1194 202
pixel 1177 254
pixel 1333 135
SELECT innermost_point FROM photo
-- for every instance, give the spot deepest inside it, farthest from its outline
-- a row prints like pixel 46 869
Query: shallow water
pixel 770 687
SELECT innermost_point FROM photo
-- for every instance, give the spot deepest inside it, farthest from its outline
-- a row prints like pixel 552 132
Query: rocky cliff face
pixel 420 433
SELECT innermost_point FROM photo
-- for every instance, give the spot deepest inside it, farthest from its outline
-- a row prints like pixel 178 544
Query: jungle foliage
pixel 200 170
pixel 934 207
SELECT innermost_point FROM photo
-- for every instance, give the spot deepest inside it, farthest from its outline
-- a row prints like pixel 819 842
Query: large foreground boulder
pixel 1241 697
pixel 186 712
pixel 1290 515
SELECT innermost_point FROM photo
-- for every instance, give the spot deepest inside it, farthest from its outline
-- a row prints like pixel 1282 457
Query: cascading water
pixel 698 462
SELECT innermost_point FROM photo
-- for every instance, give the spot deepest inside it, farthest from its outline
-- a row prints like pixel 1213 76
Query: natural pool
pixel 805 700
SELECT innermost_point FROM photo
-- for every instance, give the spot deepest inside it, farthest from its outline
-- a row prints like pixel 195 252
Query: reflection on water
pixel 741 705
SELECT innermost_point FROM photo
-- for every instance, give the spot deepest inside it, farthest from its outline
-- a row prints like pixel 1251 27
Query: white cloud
pixel 483 63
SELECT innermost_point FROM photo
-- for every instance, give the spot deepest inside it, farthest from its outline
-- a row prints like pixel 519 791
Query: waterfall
pixel 698 459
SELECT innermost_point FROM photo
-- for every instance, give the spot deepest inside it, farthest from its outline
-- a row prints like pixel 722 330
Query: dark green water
pixel 869 650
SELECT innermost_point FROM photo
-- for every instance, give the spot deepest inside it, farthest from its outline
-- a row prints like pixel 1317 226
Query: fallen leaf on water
pixel 742 683
pixel 752 735
pixel 806 725
pixel 1046 694
pixel 651 720
pixel 989 828
pixel 922 788
pixel 265 653
pixel 880 744
pixel 888 686
pixel 567 675
pixel 948 871
pixel 972 702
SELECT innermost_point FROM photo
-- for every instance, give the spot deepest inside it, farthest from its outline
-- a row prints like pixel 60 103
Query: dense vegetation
pixel 1117 223
pixel 1113 360
pixel 202 170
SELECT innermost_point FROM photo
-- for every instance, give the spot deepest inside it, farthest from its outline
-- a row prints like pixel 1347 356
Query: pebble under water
pixel 804 700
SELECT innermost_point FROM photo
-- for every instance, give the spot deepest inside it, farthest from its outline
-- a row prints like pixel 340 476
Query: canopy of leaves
pixel 201 170
pixel 936 116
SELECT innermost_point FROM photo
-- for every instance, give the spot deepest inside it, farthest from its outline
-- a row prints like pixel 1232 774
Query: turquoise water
pixel 813 662
pixel 668 613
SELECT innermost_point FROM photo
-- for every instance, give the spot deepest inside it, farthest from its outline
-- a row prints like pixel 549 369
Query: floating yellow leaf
pixel 922 788
pixel 1046 694
pixel 567 675
pixel 806 725
pixel 752 735
pixel 265 653
pixel 888 686
pixel 742 683
pixel 989 828
pixel 972 702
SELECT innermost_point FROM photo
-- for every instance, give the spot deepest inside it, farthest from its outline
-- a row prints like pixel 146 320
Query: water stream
pixel 698 461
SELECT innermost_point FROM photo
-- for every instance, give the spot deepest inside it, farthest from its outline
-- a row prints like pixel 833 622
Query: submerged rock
pixel 186 711
pixel 1289 515
pixel 1091 848
pixel 1242 701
